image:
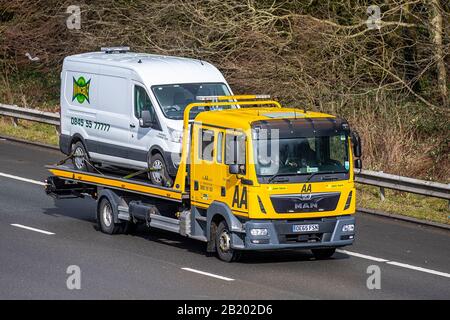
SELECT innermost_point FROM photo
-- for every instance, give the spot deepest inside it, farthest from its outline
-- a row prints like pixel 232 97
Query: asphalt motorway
pixel 413 260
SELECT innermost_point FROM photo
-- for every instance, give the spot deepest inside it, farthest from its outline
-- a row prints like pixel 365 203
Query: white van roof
pixel 154 69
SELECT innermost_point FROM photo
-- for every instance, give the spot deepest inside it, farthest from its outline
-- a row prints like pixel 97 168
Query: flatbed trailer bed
pixel 109 180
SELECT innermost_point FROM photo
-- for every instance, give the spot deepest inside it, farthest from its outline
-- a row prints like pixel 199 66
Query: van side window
pixel 206 144
pixel 235 149
pixel 142 102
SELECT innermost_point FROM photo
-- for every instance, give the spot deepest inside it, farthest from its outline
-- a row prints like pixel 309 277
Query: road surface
pixel 41 237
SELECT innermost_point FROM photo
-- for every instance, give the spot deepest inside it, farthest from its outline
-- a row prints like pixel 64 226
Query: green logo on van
pixel 81 89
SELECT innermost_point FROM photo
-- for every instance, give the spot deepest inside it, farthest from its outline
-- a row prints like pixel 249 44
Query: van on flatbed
pixel 252 177
pixel 126 109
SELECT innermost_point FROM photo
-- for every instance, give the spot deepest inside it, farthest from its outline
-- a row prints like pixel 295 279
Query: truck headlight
pixel 175 135
pixel 348 228
pixel 259 232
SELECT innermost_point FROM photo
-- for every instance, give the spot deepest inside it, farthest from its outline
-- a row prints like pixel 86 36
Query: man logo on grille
pixel 305 197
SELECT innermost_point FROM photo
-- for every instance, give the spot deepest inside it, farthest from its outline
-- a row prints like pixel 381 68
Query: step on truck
pixel 253 176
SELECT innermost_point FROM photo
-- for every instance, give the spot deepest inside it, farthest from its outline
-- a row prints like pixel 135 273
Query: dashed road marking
pixel 395 263
pixel 408 266
pixel 21 179
pixel 208 274
pixel 32 229
pixel 363 256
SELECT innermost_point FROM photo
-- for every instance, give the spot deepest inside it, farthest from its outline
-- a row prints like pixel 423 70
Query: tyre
pixel 106 217
pixel 323 253
pixel 223 244
pixel 80 157
pixel 159 175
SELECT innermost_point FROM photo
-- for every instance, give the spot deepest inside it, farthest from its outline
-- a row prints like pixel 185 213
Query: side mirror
pixel 146 119
pixel 233 168
pixel 358 164
pixel 356 140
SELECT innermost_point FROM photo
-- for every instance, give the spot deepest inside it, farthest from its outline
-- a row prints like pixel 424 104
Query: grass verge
pixel 28 130
pixel 406 204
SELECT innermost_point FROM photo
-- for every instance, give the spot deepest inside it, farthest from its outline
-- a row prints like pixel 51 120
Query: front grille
pixel 305 238
pixel 312 202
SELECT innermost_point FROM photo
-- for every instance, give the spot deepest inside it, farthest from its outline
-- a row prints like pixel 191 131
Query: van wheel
pixel 223 244
pixel 106 217
pixel 158 174
pixel 80 156
pixel 323 253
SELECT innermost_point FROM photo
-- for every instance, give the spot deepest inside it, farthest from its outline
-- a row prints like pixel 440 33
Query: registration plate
pixel 305 227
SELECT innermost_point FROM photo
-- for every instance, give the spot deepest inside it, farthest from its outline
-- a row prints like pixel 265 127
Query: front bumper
pixel 280 234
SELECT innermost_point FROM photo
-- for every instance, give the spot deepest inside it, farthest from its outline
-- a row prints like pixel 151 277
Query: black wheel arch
pixel 113 198
pixel 217 212
pixel 166 157
pixel 78 138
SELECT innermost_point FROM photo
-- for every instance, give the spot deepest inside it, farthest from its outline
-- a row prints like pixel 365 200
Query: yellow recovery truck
pixel 252 176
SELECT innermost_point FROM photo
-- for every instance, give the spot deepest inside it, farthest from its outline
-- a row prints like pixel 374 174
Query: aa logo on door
pixel 81 89
pixel 239 199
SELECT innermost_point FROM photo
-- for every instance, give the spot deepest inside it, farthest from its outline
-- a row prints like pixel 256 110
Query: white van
pixel 126 109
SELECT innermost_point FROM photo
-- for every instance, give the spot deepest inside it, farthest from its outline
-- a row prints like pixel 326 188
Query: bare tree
pixel 437 30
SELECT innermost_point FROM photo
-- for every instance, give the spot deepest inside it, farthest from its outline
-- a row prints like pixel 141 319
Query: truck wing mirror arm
pixel 356 141
pixel 233 168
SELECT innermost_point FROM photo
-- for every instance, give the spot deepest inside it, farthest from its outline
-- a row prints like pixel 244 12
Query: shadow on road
pixel 84 209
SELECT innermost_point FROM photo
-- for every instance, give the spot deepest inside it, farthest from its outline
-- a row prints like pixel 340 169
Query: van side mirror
pixel 358 164
pixel 146 120
pixel 233 168
pixel 356 141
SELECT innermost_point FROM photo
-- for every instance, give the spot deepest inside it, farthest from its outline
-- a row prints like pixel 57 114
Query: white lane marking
pixel 21 179
pixel 408 266
pixel 208 274
pixel 363 256
pixel 30 228
pixel 395 263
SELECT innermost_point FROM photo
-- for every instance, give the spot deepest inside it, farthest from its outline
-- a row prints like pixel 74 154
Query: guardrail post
pixel 15 122
pixel 382 194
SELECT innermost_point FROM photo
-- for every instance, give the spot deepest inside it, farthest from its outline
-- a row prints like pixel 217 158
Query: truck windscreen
pixel 283 157
pixel 173 98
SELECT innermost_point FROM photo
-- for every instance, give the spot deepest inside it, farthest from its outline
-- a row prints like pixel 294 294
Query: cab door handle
pixel 132 125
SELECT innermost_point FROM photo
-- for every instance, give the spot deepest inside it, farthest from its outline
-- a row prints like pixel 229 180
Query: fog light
pixel 260 241
pixel 258 232
pixel 348 228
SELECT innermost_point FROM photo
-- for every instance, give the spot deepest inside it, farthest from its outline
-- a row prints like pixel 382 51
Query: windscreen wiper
pixel 279 175
pixel 322 172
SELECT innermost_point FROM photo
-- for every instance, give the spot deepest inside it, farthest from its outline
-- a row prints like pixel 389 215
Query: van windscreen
pixel 173 98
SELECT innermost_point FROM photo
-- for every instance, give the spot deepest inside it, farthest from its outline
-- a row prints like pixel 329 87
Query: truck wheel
pixel 223 244
pixel 106 217
pixel 80 156
pixel 159 175
pixel 323 253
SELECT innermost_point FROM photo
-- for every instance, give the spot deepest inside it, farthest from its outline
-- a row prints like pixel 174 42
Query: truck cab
pixel 283 176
